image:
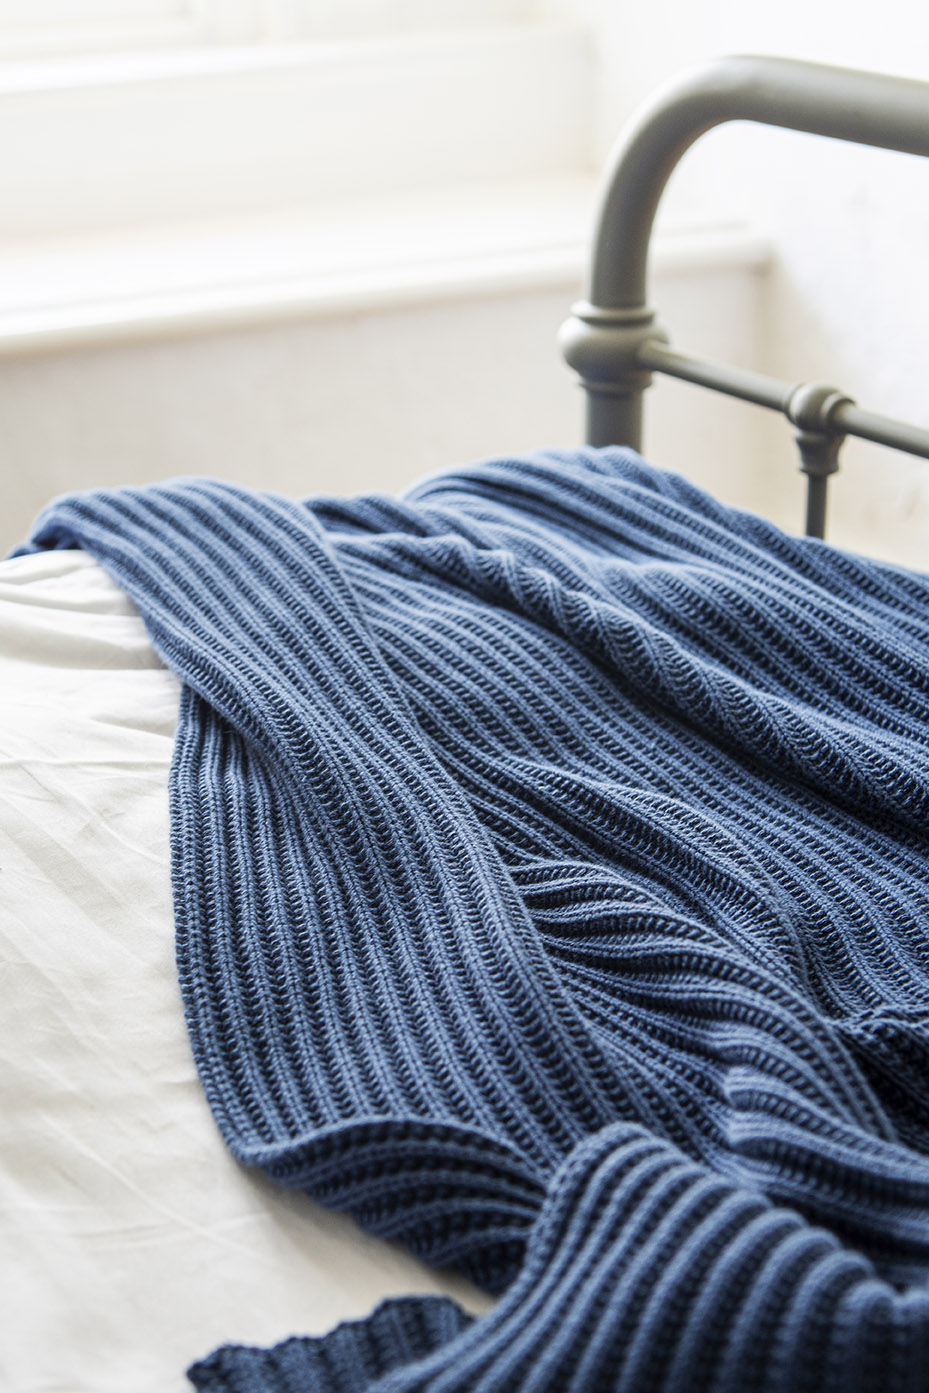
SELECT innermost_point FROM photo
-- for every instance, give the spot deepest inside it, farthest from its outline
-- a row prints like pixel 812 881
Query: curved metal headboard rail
pixel 612 339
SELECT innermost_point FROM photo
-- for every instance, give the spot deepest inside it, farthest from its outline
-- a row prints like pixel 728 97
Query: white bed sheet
pixel 131 1243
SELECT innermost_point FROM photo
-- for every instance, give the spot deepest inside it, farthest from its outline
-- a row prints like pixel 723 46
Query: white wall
pixel 312 405
pixel 849 291
pixel 269 367
pixel 347 403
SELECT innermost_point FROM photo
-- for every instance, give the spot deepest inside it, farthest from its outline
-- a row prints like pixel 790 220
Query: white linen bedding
pixel 131 1242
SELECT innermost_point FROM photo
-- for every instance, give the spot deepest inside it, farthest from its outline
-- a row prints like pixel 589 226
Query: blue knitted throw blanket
pixel 550 865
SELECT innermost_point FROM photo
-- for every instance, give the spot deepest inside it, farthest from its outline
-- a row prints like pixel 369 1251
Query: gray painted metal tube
pixel 864 108
pixel 883 430
pixel 756 387
pixel 611 338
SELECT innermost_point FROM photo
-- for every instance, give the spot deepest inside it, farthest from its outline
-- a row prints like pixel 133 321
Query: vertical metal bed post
pixel 612 339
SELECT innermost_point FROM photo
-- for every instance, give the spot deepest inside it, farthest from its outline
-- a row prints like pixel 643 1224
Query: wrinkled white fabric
pixel 130 1242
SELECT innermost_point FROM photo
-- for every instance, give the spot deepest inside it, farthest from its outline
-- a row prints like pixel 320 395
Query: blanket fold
pixel 549 859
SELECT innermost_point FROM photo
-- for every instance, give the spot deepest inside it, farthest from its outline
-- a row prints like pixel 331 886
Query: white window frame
pixel 121 163
pixel 97 26
pixel 93 28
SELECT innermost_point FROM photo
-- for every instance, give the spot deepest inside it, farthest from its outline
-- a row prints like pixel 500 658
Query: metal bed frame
pixel 612 339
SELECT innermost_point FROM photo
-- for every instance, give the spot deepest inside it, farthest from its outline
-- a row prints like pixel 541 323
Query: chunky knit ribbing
pixel 550 878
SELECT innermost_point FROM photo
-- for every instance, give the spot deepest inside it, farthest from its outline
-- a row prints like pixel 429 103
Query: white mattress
pixel 130 1242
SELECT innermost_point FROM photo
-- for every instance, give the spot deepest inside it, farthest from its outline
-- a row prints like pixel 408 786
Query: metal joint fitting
pixel 811 408
pixel 603 345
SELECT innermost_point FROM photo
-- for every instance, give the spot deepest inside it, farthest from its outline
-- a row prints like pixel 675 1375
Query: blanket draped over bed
pixel 550 868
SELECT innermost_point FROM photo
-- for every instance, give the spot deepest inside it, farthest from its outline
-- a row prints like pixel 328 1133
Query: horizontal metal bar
pixel 844 418
pixel 719 377
pixel 883 430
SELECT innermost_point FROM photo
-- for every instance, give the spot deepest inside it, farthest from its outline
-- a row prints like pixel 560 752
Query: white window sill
pixel 497 239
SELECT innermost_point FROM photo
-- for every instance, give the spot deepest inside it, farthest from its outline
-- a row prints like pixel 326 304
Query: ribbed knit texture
pixel 550 868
